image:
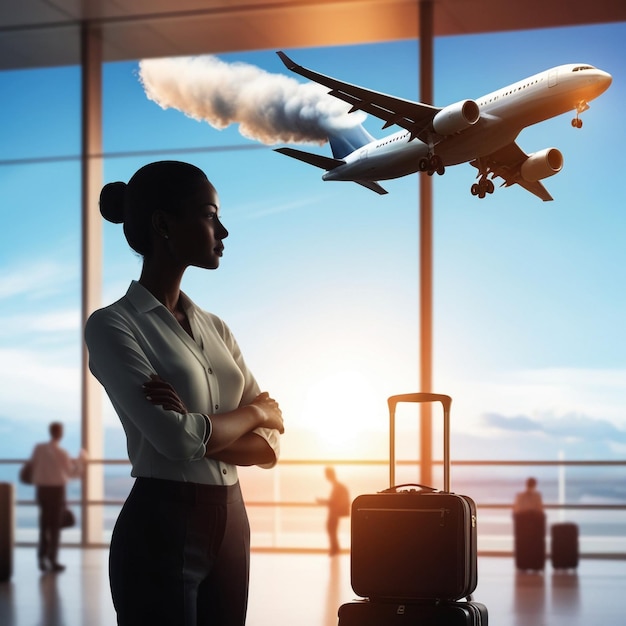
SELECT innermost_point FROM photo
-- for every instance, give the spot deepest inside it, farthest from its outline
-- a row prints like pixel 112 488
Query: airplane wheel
pixel 430 172
pixel 574 123
pixel 423 164
pixel 435 162
pixel 490 186
pixel 474 189
pixel 579 124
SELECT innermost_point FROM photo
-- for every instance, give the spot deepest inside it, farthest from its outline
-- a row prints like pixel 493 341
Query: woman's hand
pixel 270 412
pixel 233 439
pixel 161 393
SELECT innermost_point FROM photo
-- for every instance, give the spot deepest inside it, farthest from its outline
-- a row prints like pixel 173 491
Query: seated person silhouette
pixel 529 525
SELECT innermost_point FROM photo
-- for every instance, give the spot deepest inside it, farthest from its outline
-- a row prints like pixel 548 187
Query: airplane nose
pixel 604 80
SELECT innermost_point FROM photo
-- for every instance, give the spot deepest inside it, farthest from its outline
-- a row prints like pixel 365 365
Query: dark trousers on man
pixel 332 527
pixel 51 502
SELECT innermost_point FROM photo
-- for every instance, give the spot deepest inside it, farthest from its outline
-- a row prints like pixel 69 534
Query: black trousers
pixel 332 527
pixel 51 502
pixel 180 555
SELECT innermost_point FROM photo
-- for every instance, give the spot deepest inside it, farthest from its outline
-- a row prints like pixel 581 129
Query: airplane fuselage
pixel 503 115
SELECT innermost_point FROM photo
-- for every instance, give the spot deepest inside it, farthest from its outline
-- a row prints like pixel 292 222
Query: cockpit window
pixel 581 68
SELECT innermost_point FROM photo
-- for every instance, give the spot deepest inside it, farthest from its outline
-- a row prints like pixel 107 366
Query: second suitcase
pixel 366 613
pixel 564 545
pixel 418 544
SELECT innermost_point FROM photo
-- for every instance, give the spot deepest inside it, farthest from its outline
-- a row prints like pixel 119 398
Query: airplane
pixel 481 132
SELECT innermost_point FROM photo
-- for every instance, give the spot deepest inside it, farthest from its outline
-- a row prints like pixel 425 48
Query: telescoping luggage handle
pixel 446 401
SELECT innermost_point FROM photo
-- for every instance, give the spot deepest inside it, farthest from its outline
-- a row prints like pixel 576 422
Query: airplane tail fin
pixel 343 142
pixel 323 162
pixel 347 140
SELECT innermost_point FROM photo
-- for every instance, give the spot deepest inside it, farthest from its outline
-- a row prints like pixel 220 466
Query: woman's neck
pixel 163 285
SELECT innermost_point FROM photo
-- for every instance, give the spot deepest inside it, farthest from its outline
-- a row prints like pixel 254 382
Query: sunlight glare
pixel 337 408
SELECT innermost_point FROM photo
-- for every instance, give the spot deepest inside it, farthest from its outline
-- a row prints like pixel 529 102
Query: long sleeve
pixel 136 337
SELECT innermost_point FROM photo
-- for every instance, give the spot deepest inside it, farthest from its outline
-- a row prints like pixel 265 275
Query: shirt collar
pixel 141 298
pixel 144 301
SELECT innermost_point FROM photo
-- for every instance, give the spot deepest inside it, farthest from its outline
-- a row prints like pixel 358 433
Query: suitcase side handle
pixel 446 402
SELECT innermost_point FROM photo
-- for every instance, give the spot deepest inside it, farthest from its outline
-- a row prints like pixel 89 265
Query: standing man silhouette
pixel 338 504
pixel 52 469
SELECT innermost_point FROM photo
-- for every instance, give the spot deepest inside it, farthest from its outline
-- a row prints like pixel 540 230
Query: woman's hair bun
pixel 112 202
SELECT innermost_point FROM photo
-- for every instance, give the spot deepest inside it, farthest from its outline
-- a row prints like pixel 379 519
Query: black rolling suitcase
pixel 367 613
pixel 7 523
pixel 418 544
pixel 529 534
pixel 564 545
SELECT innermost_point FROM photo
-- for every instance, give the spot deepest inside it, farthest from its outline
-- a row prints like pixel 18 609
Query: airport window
pixel 41 259
pixel 481 269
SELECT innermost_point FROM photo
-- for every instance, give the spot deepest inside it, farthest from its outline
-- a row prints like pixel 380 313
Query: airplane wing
pixel 506 164
pixel 413 116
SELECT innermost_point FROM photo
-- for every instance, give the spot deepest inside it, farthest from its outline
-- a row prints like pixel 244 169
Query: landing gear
pixel 581 106
pixel 482 187
pixel 485 176
pixel 431 164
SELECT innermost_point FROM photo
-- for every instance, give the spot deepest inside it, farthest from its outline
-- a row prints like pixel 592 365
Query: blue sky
pixel 319 281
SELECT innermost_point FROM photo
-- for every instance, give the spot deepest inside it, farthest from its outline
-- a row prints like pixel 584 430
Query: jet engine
pixel 542 164
pixel 456 117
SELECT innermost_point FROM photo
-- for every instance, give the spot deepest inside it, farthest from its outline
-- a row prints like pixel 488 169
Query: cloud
pixel 33 279
pixel 40 340
pixel 40 304
pixel 270 108
pixel 572 427
pixel 535 414
pixel 515 424
pixel 41 386
pixel 538 395
pixel 41 323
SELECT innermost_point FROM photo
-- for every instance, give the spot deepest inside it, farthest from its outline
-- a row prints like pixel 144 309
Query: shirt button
pixel 217 406
pixel 224 472
pixel 210 370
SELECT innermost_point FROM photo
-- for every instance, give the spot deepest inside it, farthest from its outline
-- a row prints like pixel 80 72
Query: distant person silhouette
pixel 528 500
pixel 529 528
pixel 52 469
pixel 338 504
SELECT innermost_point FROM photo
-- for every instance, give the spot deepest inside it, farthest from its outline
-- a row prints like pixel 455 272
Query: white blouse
pixel 136 337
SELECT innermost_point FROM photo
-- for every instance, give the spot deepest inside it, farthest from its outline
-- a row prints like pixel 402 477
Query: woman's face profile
pixel 196 235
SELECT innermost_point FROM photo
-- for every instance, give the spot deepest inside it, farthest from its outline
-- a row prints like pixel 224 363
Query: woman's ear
pixel 159 223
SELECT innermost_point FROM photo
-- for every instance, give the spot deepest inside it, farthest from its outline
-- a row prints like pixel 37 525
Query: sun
pixel 338 409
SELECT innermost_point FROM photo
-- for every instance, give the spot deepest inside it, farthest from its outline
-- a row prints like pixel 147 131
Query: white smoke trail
pixel 270 108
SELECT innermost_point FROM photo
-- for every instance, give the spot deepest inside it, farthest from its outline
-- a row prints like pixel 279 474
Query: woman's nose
pixel 222 233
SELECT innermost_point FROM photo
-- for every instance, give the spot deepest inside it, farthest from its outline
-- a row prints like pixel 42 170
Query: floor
pixel 307 589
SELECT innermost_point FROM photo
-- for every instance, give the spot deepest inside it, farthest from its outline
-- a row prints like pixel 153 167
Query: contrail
pixel 270 108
